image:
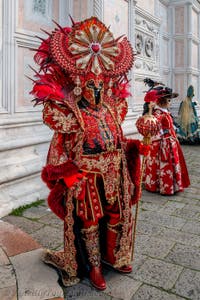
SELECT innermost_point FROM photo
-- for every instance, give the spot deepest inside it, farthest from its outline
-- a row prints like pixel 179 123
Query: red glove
pixel 144 149
pixel 73 179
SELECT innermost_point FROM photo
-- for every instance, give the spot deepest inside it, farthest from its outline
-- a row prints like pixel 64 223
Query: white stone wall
pixel 24 140
pixel 185 38
pixel 147 64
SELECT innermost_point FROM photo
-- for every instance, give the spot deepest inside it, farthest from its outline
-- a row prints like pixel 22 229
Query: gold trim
pixel 91 206
pixel 99 198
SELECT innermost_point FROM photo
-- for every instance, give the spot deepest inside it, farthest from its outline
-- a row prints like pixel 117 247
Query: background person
pixel 165 168
pixel 189 129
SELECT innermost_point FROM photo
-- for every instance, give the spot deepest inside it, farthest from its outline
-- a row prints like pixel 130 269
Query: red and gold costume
pixel 165 167
pixel 92 170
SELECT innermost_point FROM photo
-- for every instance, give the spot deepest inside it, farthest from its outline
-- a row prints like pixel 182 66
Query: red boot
pixel 97 279
pixel 91 238
pixel 111 243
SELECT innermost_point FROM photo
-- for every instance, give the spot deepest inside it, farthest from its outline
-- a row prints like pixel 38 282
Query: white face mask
pixel 165 109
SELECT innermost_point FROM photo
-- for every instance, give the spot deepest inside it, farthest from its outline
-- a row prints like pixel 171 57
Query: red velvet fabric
pixel 56 200
pixel 184 171
pixel 134 166
pixel 50 175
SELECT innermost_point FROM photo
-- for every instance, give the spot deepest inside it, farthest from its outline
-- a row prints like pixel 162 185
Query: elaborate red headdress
pixel 87 50
pixel 151 96
pixel 91 47
pixel 155 94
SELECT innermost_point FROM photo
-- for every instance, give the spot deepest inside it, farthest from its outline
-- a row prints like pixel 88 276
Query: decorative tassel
pixel 77 90
pixel 109 91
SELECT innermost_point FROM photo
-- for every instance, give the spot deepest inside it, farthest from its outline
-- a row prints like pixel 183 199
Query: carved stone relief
pixel 39 11
pixel 145 24
pixel 149 47
pixel 139 42
pixel 152 67
pixel 144 45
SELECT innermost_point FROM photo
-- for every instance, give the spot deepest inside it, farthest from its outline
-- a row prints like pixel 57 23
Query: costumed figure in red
pixel 165 167
pixel 92 170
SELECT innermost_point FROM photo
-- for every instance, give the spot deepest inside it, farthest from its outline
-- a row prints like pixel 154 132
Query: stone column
pixel 185 45
pixel 189 44
pixel 98 9
pixel 65 11
pixel 131 29
pixel 179 49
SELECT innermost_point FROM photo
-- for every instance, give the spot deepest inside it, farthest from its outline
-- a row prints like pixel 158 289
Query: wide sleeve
pixel 134 166
pixel 59 118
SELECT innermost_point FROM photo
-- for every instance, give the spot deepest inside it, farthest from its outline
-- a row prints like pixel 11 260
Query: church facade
pixel 165 35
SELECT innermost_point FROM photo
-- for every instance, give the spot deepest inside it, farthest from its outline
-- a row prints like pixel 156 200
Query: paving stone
pixel 187 200
pixel 49 237
pixel 36 212
pixel 153 198
pixel 192 227
pixel 3 258
pixel 151 206
pixel 51 220
pixel 155 247
pixel 138 260
pixel 15 241
pixel 193 207
pixel 146 292
pixel 84 292
pixel 146 228
pixel 7 276
pixel 192 196
pixel 23 223
pixel 140 242
pixel 158 273
pixel 171 206
pixel 180 237
pixel 192 190
pixel 188 285
pixel 35 279
pixel 185 255
pixel 121 286
pixel 162 219
pixel 195 180
pixel 187 214
pixel 56 298
pixel 9 293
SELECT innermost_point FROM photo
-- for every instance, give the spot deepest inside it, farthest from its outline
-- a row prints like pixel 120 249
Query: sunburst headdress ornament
pixel 87 50
pixel 91 52
pixel 91 47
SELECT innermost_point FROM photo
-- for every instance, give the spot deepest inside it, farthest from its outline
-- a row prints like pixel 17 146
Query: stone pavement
pixel 167 251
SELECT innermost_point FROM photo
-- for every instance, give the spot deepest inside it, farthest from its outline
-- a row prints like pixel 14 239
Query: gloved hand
pixel 144 149
pixel 74 178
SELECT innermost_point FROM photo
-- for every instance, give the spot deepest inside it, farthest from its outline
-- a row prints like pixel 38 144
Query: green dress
pixel 188 131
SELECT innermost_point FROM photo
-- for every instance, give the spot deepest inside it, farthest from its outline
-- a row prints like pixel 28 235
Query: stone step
pixel 23 275
pixel 21 192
